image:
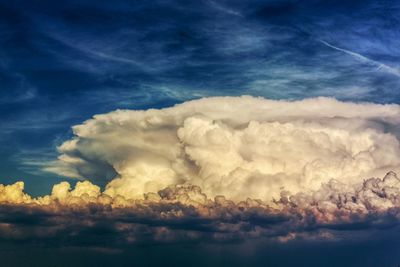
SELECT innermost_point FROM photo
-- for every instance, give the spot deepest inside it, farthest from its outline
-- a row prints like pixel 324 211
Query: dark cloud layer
pixel 173 227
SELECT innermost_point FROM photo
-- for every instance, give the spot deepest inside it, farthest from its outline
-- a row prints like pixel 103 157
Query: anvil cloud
pixel 238 147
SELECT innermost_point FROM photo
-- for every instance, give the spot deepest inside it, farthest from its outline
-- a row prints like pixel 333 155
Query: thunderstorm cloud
pixel 219 169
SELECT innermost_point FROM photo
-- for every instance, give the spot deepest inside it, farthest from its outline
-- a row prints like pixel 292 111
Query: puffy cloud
pixel 235 146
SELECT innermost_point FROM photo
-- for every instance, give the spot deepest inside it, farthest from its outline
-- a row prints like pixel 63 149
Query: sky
pixel 308 66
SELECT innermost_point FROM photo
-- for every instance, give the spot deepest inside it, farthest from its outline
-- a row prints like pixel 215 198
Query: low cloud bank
pixel 183 213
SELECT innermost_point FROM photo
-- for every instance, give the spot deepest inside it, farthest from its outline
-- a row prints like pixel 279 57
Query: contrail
pixel 379 65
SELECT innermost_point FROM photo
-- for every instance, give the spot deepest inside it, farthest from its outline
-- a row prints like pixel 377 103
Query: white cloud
pixel 238 147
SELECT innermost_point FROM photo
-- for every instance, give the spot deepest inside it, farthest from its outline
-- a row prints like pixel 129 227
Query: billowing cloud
pixel 238 147
pixel 219 169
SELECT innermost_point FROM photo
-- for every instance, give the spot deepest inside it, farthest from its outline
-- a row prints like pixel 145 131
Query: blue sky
pixel 63 62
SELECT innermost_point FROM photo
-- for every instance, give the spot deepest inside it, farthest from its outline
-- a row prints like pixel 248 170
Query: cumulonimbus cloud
pixel 220 169
pixel 238 147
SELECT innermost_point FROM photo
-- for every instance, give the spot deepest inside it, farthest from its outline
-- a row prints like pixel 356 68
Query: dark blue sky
pixel 61 62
